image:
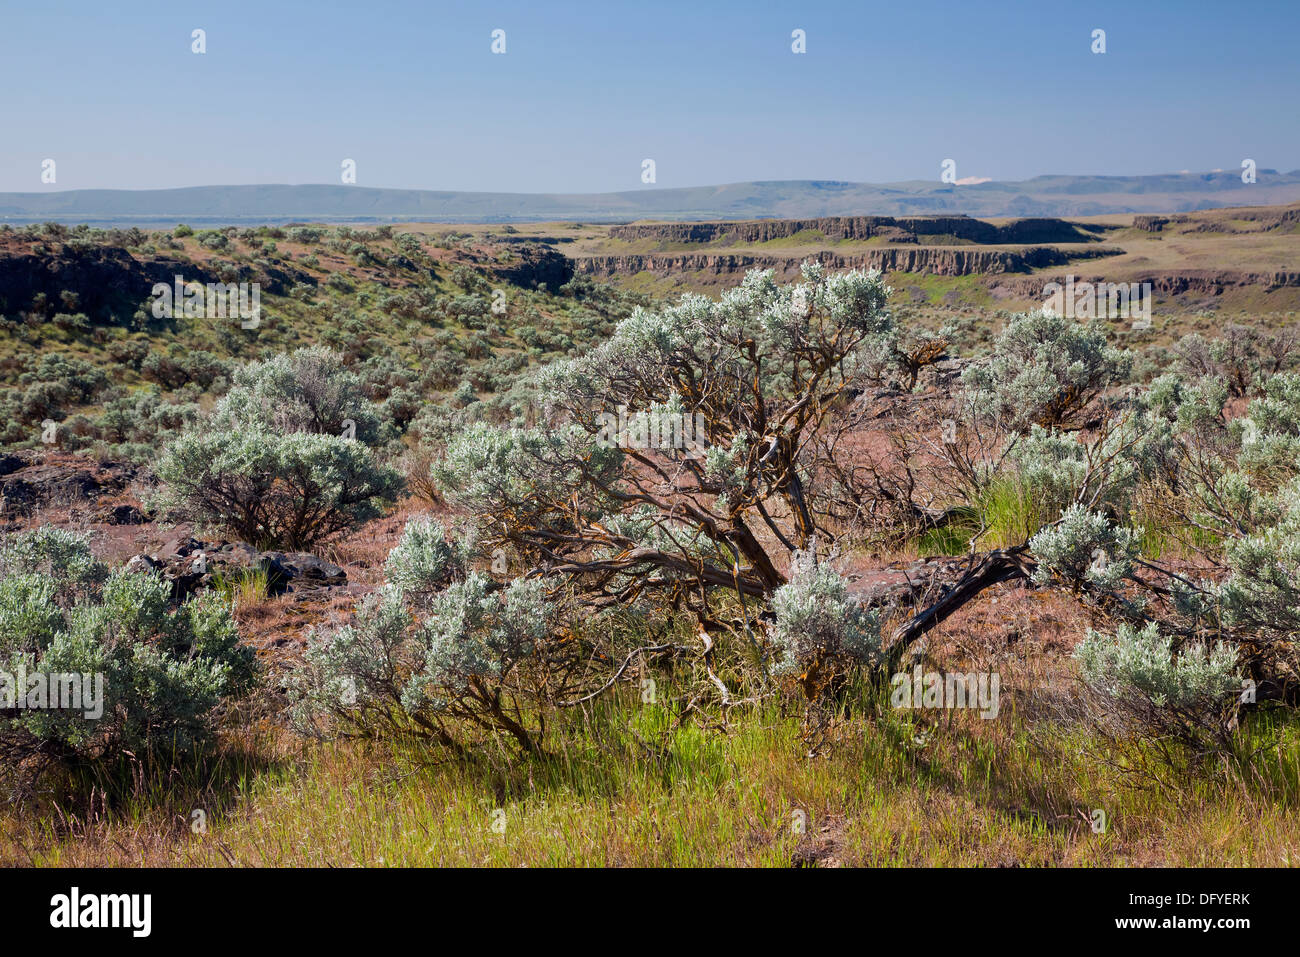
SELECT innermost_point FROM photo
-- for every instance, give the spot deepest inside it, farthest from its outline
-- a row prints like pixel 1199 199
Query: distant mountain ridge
pixel 1040 196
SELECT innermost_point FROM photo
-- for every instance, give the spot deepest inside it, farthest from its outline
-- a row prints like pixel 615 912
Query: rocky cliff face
pixel 534 264
pixel 110 283
pixel 917 259
pixel 887 228
pixel 1154 224
pixel 1203 282
pixel 1269 219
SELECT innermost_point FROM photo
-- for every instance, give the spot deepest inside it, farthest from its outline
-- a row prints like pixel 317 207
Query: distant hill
pixel 1040 196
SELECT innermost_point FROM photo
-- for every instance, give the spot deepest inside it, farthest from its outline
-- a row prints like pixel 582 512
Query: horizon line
pixel 647 189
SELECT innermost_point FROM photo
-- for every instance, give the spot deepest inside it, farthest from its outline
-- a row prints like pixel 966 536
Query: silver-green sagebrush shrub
pixel 1083 547
pixel 820 633
pixel 152 675
pixel 1244 358
pixel 1045 370
pixel 531 472
pixel 1238 483
pixel 425 561
pixel 474 636
pixel 440 648
pixel 283 460
pixel 1058 469
pixel 688 452
pixel 309 390
pixel 1145 686
pixel 1261 595
pixel 268 489
pixel 1143 661
pixel 1269 434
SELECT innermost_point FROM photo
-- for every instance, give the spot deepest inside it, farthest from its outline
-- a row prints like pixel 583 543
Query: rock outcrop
pixel 1201 282
pixel 940 261
pixel 191 564
pixel 910 229
pixel 110 282
pixel 536 264
pixel 31 480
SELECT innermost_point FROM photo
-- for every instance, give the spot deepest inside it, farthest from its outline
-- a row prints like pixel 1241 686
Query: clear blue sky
pixel 710 90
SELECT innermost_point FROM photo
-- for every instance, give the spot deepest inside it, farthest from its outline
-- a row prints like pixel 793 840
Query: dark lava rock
pixel 191 564
pixel 122 515
pixel 58 480
pixel 301 565
pixel 537 264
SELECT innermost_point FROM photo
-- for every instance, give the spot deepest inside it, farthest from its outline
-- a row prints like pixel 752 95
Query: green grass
pixel 950 539
pixel 1008 513
pixel 1159 539
pixel 626 786
pixel 251 586
pixel 969 291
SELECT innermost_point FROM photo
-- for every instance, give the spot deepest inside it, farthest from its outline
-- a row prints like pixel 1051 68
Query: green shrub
pixel 290 490
pixel 1244 359
pixel 430 659
pixel 58 382
pixel 820 633
pixel 424 561
pixel 1084 547
pixel 163 671
pixel 1143 687
pixel 308 391
pixel 1045 370
pixel 173 370
pixel 212 239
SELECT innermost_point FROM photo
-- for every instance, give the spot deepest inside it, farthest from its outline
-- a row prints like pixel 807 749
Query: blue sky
pixel 710 90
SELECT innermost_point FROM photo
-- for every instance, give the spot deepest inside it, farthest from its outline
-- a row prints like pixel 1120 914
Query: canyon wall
pixel 888 228
pixel 939 261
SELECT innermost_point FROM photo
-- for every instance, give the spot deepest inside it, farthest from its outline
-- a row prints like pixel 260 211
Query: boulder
pixel 191 564
pixel 309 568
pixel 142 563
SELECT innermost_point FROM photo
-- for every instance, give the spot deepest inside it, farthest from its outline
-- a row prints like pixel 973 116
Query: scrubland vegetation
pixel 578 647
